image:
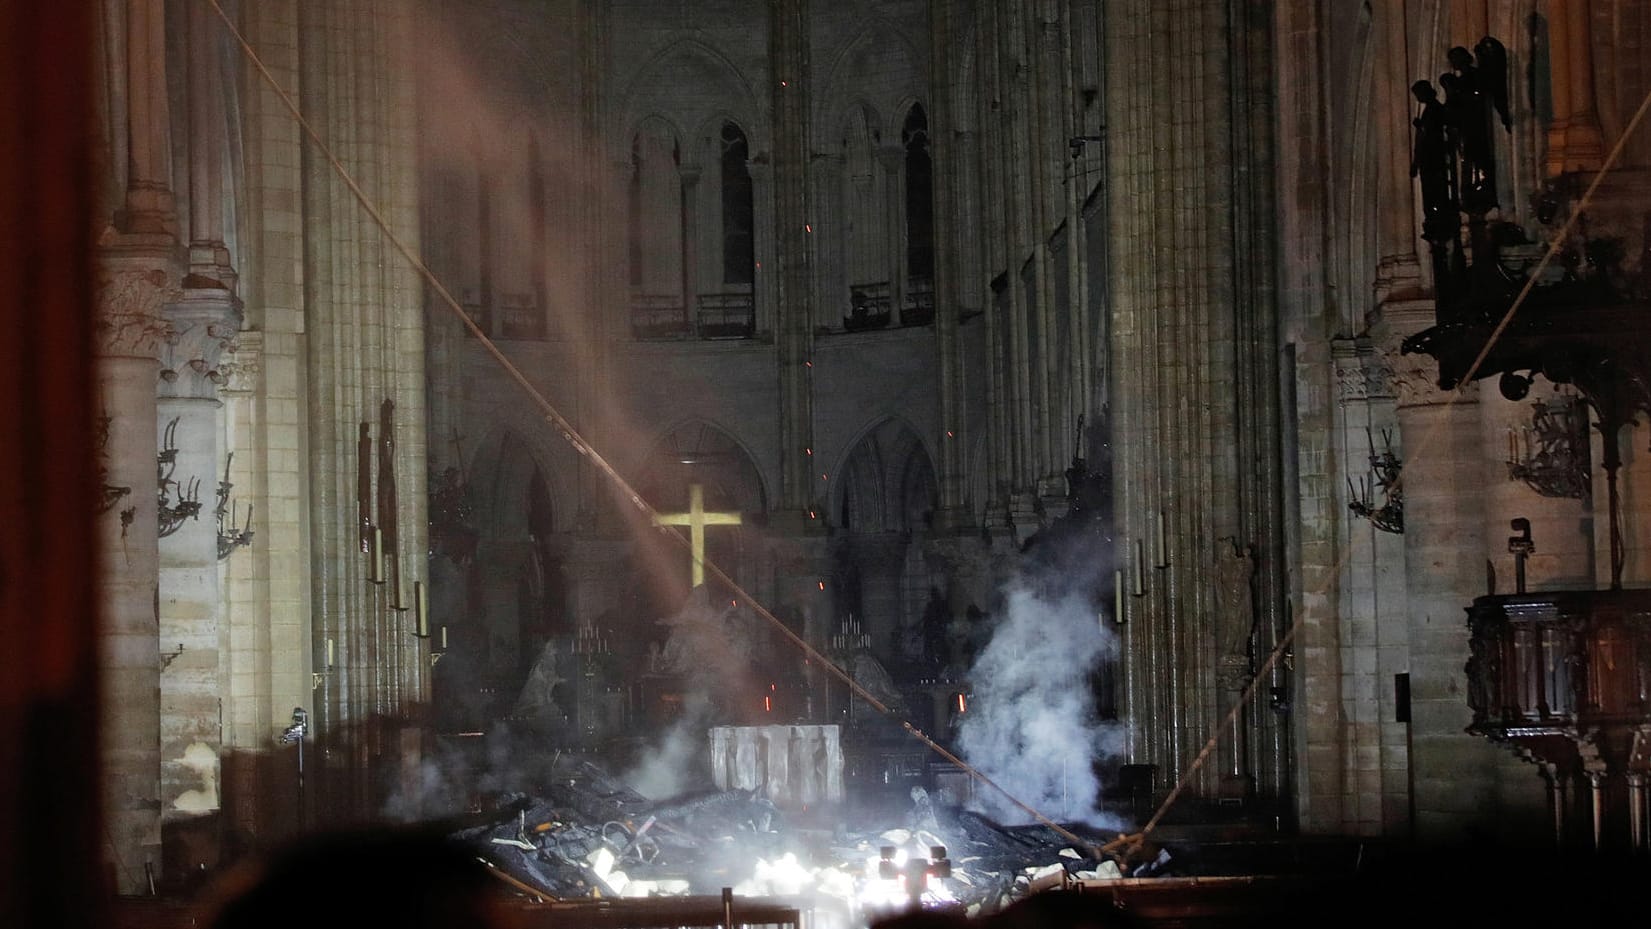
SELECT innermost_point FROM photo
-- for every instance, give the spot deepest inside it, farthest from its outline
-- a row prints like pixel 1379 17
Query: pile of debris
pixel 590 836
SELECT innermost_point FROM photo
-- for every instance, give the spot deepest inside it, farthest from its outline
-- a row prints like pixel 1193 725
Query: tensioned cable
pixel 584 448
pixel 1422 447
pixel 571 435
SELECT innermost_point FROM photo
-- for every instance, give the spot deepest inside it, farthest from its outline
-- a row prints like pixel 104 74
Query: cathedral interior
pixel 1227 418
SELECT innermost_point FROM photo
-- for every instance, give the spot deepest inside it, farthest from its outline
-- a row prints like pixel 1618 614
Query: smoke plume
pixel 1031 726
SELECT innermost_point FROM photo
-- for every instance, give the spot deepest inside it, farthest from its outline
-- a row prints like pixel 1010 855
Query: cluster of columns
pixel 1187 305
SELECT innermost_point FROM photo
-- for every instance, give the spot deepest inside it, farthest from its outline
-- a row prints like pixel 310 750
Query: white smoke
pixel 1031 726
pixel 672 764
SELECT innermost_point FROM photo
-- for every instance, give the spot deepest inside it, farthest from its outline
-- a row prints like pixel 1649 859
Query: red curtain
pixel 50 826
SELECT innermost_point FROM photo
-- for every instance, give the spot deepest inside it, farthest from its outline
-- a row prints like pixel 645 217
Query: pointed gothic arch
pixel 697 452
pixel 654 215
pixel 883 499
pixel 500 607
pixel 886 481
pixel 864 223
pixel 918 219
pixel 693 80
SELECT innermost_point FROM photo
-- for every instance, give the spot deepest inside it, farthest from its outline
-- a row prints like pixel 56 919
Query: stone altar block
pixel 793 766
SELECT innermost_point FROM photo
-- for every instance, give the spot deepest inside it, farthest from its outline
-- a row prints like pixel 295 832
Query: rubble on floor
pixel 587 835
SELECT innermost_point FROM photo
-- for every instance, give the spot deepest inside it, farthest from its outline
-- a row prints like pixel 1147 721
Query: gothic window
pixel 633 214
pixel 914 137
pixel 655 208
pixel 486 194
pixel 539 225
pixel 866 219
pixel 738 255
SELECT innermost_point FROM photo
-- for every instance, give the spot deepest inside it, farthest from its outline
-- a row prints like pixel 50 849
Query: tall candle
pixel 1140 568
pixel 421 611
pixel 444 638
pixel 329 653
pixel 364 484
pixel 1117 595
pixel 1162 555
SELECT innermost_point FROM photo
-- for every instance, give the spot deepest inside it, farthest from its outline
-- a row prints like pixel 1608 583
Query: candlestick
pixel 364 485
pixel 1161 556
pixel 421 611
pixel 1140 569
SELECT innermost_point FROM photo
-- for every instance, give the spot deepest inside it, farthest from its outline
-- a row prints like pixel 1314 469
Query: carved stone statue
pixel 541 695
pixel 1235 602
pixel 1470 106
pixel 1492 59
pixel 1433 161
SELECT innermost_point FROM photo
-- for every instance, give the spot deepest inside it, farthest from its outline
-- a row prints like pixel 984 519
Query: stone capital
pixel 130 322
pixel 1352 385
pixel 1413 378
pixel 1414 381
pixel 242 363
pixel 204 325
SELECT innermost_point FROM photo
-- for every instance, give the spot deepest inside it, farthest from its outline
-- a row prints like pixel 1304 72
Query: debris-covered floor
pixel 585 834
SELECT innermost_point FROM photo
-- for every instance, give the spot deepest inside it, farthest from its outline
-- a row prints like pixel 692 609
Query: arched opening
pixel 914 138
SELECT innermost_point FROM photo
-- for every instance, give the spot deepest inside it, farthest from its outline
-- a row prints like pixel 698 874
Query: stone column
pixel 1574 139
pixel 892 158
pixel 1457 778
pixel 949 146
pixel 192 633
pixel 1194 390
pixel 149 208
pixel 244 586
pixel 789 52
pixel 363 345
pixel 131 330
pixel 764 285
pixel 209 257
pixel 830 272
pixel 1398 268
pixel 690 174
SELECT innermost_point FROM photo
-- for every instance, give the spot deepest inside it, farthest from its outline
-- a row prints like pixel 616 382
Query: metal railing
pixel 727 316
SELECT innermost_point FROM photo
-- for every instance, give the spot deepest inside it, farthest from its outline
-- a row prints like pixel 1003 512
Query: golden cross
pixel 696 519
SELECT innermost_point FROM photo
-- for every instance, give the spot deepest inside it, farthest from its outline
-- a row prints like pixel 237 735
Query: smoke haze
pixel 1031 726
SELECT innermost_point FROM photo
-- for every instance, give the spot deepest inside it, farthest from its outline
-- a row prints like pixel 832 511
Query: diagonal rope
pixel 574 439
pixel 1423 448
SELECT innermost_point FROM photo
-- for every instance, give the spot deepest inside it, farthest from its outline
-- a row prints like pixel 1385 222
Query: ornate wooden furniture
pixel 1564 679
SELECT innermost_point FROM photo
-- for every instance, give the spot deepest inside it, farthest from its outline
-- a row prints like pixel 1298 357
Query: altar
pixel 794 766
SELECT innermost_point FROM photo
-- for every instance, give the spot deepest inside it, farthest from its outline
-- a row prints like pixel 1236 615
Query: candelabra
pixel 1385 468
pixel 1551 454
pixel 111 493
pixel 175 502
pixel 850 637
pixel 235 536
